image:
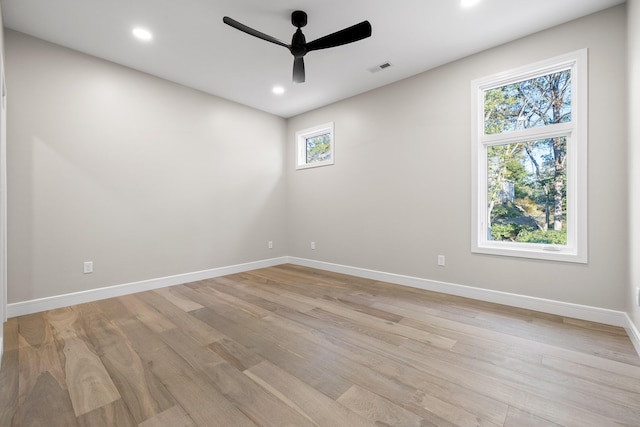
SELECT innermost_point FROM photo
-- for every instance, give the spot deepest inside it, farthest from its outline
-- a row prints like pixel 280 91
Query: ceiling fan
pixel 299 46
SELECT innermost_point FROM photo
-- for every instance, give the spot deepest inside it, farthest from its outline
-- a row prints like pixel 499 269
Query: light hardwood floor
pixel 292 346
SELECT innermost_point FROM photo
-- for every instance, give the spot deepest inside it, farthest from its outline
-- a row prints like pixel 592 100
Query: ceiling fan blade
pixel 298 70
pixel 239 26
pixel 348 35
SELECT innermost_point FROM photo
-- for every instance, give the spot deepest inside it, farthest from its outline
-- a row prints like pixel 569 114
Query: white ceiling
pixel 193 47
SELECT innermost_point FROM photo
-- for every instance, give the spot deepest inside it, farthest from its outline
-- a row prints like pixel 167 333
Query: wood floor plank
pixel 518 418
pixel 234 288
pixel 392 361
pixel 200 331
pixel 178 300
pixel 173 417
pixel 34 361
pixel 252 286
pixel 311 352
pixel 314 374
pixel 486 342
pixel 147 314
pixel 377 409
pixel 199 398
pixel 428 405
pixel 341 323
pixel 141 391
pixel 381 324
pixel 262 407
pixel 303 398
pixel 537 378
pixel 88 382
pixel 623 377
pixel 200 357
pixel 9 374
pixel 235 354
pixel 10 334
pixel 32 329
pixel 233 301
pixel 112 414
pixel 48 405
pixel 518 395
pixel 45 355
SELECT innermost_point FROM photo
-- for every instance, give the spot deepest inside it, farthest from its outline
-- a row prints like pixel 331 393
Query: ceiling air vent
pixel 380 67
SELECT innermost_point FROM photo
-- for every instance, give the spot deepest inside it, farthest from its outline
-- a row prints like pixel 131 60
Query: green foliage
pixel 504 211
pixel 504 232
pixel 318 148
pixel 514 232
pixel 543 236
pixel 529 206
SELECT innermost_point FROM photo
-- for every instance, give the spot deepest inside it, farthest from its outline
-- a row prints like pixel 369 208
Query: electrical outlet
pixel 638 296
pixel 441 260
pixel 313 245
pixel 87 267
pixel 270 244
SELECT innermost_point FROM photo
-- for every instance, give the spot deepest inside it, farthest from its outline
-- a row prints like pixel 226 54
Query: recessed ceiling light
pixel 469 3
pixel 278 90
pixel 142 34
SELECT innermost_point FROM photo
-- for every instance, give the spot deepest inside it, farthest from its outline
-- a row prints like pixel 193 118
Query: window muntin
pixel 314 146
pixel 529 161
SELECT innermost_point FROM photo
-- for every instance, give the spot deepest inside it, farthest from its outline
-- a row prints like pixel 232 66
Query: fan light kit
pixel 299 46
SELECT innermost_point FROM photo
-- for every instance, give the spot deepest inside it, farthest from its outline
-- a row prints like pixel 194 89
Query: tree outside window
pixel 318 148
pixel 535 170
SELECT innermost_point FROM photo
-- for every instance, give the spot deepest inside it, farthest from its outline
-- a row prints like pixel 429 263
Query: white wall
pixel 633 25
pixel 143 177
pixel 399 192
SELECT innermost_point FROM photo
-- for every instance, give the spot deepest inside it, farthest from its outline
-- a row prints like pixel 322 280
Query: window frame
pixel 301 145
pixel 576 249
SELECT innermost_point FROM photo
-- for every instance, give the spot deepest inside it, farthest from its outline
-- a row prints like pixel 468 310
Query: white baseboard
pixel 634 334
pixel 576 311
pixel 50 303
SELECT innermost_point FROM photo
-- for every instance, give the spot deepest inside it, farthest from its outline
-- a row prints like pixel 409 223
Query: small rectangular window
pixel 314 146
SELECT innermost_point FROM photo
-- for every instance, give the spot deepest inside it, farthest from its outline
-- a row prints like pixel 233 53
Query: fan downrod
pixel 299 18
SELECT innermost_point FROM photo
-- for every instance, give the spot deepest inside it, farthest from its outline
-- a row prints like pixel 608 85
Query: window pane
pixel 526 191
pixel 527 104
pixel 318 148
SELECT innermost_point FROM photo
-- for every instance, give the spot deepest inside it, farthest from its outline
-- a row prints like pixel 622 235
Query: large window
pixel 529 152
pixel 314 146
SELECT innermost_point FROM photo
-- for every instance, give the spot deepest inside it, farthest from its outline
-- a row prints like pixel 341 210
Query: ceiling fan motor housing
pixel 299 18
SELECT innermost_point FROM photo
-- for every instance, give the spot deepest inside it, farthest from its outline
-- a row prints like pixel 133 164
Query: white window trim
pixel 576 248
pixel 301 150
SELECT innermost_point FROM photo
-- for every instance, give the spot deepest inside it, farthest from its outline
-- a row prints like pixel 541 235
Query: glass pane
pixel 527 104
pixel 526 191
pixel 318 148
